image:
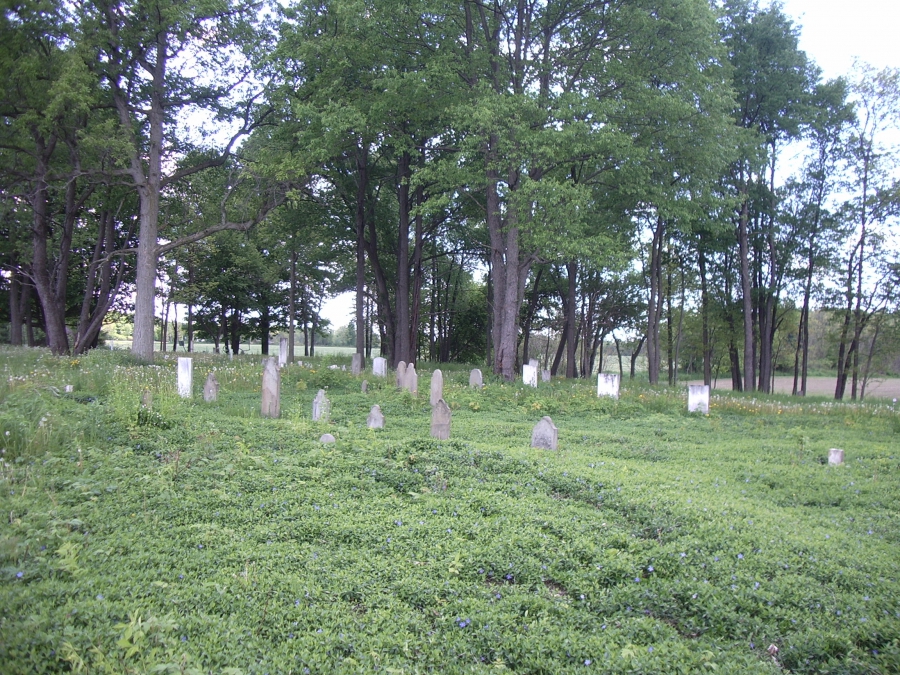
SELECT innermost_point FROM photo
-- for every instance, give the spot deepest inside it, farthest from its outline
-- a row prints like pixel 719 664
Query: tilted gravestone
pixel 411 381
pixel 698 398
pixel 529 375
pixel 437 387
pixel 475 379
pixel 545 435
pixel 375 420
pixel 379 366
pixel 271 390
pixel 321 407
pixel 835 457
pixel 185 376
pixel 211 388
pixel 608 385
pixel 282 351
pixel 359 363
pixel 440 421
pixel 401 375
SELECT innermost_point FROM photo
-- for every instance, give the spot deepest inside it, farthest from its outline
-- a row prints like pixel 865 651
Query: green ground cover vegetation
pixel 200 538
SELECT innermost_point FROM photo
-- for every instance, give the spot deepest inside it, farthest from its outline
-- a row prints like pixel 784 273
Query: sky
pixel 833 34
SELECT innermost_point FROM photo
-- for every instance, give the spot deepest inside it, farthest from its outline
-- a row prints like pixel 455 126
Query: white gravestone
pixel 401 375
pixel 375 420
pixel 835 457
pixel 608 385
pixel 698 398
pixel 545 435
pixel 185 376
pixel 271 390
pixel 379 366
pixel 440 421
pixel 70 388
pixel 211 388
pixel 411 382
pixel 529 375
pixel 282 351
pixel 359 363
pixel 475 379
pixel 321 407
pixel 437 387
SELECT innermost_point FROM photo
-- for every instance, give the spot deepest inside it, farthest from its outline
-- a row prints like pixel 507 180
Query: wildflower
pixel 650 568
pixel 19 575
pixel 587 662
pixel 740 556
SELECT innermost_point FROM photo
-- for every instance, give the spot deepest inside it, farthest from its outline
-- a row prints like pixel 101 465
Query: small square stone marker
pixel 698 398
pixel 835 457
pixel 608 385
pixel 545 435
pixel 379 366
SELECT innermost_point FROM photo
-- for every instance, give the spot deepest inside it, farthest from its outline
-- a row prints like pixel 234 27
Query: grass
pixel 201 538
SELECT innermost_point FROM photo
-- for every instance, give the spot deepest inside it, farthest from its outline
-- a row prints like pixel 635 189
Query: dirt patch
pixel 881 388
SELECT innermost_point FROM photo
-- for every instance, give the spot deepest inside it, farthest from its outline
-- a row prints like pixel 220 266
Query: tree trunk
pixel 571 272
pixel 704 317
pixel 747 299
pixel 362 171
pixel 654 303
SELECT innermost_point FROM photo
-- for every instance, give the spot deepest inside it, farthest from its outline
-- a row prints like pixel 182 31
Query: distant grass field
pixel 209 348
pixel 192 537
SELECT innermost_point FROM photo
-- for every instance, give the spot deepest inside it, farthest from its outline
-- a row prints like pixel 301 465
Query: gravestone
pixel 282 352
pixel 364 388
pixel 835 457
pixel 326 438
pixel 185 376
pixel 359 363
pixel 70 388
pixel 698 398
pixel 334 367
pixel 440 421
pixel 545 435
pixel 379 366
pixel 375 420
pixel 411 382
pixel 271 390
pixel 437 387
pixel 321 407
pixel 529 375
pixel 545 375
pixel 608 385
pixel 401 375
pixel 147 399
pixel 211 388
pixel 475 379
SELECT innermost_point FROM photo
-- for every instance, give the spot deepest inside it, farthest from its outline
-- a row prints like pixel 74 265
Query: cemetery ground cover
pixel 197 537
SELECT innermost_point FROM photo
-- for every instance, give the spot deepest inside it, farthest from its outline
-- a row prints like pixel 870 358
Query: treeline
pixel 490 177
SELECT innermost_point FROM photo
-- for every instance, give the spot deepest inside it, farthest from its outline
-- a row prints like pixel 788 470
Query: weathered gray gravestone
pixel 529 375
pixel 437 387
pixel 411 382
pixel 608 385
pixel 440 421
pixel 545 375
pixel 282 351
pixel 401 375
pixel 379 366
pixel 375 420
pixel 147 399
pixel 211 388
pixel 321 407
pixel 185 376
pixel 326 438
pixel 359 363
pixel 835 457
pixel 475 379
pixel 271 390
pixel 545 434
pixel 364 388
pixel 698 398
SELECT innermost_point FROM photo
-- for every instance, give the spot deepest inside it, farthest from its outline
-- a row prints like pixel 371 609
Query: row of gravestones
pixel 544 435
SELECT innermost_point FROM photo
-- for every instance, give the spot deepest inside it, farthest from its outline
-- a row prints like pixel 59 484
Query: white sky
pixel 833 33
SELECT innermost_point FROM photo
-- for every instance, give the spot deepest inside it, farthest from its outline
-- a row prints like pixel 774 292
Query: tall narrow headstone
pixel 698 398
pixel 211 388
pixel 475 379
pixel 440 421
pixel 321 407
pixel 271 390
pixel 359 363
pixel 529 375
pixel 185 376
pixel 379 366
pixel 364 387
pixel 835 456
pixel 375 420
pixel 437 387
pixel 147 399
pixel 282 351
pixel 411 382
pixel 545 375
pixel 545 435
pixel 401 375
pixel 608 384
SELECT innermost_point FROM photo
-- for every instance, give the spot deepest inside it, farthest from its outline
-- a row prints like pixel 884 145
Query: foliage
pixel 652 541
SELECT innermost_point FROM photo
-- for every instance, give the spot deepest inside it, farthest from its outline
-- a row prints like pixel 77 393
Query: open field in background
pixel 200 538
pixel 882 387
pixel 208 348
